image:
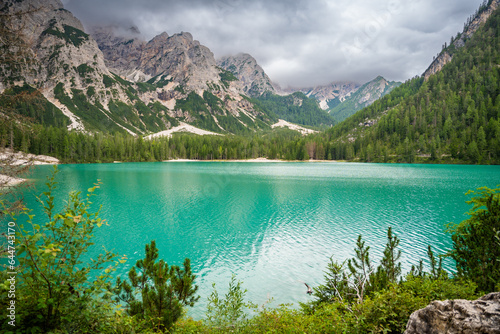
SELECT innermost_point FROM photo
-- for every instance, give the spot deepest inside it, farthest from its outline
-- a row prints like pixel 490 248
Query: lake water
pixel 274 225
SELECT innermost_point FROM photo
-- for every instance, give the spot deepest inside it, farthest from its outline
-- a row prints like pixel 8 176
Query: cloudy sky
pixel 301 42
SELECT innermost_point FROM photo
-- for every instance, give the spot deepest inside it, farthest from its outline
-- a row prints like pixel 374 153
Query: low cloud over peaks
pixel 301 43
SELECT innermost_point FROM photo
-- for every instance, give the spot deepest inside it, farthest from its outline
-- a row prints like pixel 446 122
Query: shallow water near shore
pixel 274 225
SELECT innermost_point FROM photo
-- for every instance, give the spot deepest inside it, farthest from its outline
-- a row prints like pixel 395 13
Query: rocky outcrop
pixel 445 56
pixel 122 49
pixel 457 317
pixel 438 63
pixel 254 80
pixel 481 18
pixel 58 49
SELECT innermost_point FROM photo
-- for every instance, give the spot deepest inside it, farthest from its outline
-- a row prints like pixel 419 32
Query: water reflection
pixel 274 225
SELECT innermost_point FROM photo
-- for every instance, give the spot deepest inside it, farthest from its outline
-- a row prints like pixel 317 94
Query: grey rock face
pixel 121 49
pixel 458 317
pixel 252 77
pixel 183 59
pixel 373 90
pixel 59 50
pixel 326 94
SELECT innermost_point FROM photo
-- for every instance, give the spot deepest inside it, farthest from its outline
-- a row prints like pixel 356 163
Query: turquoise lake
pixel 274 225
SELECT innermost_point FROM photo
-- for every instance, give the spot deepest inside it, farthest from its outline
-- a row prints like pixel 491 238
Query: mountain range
pixel 108 83
pixel 109 79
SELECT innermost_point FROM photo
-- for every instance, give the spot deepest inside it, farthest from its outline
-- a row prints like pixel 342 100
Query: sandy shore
pixel 224 160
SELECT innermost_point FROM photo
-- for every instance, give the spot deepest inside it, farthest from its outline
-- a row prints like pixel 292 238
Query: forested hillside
pixel 295 108
pixel 453 115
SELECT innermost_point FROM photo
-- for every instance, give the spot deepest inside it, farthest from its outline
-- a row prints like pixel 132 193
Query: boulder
pixel 458 316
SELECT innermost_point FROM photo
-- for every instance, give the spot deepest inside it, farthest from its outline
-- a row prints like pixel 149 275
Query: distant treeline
pixel 76 147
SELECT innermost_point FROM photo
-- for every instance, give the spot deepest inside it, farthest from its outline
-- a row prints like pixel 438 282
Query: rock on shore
pixel 457 316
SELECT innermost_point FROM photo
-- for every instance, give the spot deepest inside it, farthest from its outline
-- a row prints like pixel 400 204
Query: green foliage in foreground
pixel 57 291
pixel 475 247
pixel 229 312
pixel 55 288
pixel 357 298
pixel 163 291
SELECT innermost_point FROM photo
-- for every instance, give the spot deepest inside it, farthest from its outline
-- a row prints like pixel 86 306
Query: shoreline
pixel 20 158
pixel 265 160
pixel 248 160
pixel 9 158
pixel 10 181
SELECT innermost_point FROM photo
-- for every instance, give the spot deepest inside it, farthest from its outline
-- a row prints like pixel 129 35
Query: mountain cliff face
pixel 363 97
pixel 180 75
pixel 55 43
pixel 131 85
pixel 253 78
pixel 473 24
pixel 60 59
pixel 122 49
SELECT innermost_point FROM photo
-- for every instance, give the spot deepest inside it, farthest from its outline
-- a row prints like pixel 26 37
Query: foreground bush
pixel 59 290
pixel 55 287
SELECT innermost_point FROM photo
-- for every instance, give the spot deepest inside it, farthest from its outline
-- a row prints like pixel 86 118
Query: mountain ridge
pixel 450 116
pixel 363 97
pixel 470 27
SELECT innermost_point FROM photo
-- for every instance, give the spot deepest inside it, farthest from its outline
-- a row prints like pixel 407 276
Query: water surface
pixel 274 225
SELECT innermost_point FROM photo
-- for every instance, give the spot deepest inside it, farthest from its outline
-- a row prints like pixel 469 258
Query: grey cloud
pixel 300 42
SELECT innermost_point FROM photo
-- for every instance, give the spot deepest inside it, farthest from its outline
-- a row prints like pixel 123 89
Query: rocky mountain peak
pixel 161 38
pixel 180 56
pixel 363 97
pixel 61 51
pixel 253 78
